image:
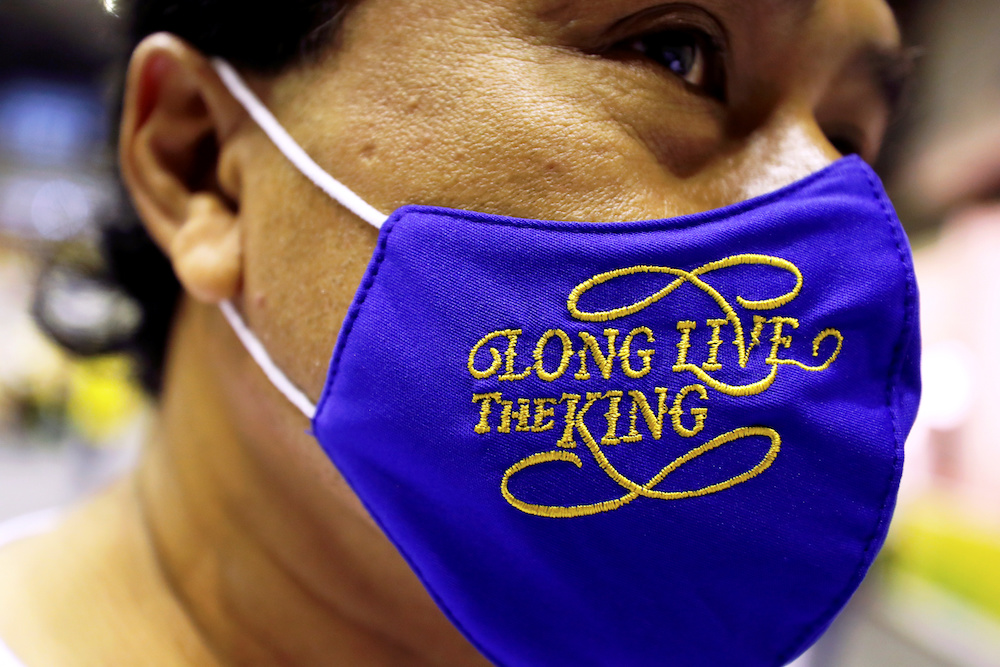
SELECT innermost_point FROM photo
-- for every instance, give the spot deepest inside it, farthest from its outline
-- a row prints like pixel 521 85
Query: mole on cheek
pixel 368 150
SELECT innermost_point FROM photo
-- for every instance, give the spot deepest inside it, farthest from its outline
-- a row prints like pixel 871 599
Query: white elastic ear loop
pixel 291 150
pixel 325 182
pixel 256 350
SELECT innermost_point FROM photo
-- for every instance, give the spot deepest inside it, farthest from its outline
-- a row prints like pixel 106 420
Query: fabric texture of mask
pixel 670 442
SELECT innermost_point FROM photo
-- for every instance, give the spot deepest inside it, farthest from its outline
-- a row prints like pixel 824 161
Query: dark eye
pixel 690 54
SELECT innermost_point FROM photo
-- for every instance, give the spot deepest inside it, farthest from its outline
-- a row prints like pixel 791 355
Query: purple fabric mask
pixel 668 442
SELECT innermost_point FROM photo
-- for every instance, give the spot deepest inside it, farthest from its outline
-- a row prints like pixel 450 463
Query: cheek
pixel 558 136
pixel 487 120
pixel 304 258
pixel 681 131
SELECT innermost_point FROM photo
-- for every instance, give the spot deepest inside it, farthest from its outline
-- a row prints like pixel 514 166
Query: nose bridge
pixel 781 140
pixel 789 146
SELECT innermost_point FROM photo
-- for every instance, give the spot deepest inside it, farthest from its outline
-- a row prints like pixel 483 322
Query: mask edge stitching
pixel 894 375
pixel 368 282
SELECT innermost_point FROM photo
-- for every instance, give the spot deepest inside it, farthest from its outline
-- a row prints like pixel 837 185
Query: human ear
pixel 177 125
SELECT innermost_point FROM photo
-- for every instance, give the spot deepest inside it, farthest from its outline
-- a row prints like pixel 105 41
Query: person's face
pixel 592 110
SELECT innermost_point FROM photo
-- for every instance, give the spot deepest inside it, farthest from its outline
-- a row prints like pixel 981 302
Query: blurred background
pixel 68 425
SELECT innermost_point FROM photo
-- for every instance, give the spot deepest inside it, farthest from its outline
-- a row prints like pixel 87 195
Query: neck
pixel 264 546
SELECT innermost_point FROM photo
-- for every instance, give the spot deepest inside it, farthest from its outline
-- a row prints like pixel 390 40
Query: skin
pixel 236 541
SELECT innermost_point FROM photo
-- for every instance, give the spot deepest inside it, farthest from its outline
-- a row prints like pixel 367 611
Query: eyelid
pixel 677 17
pixel 708 73
pixel 665 17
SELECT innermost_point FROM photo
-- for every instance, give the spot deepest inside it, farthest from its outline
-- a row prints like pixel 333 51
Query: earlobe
pixel 181 172
pixel 207 251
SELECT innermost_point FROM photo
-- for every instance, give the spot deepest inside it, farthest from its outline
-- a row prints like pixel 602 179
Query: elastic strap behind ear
pixel 291 149
pixel 256 350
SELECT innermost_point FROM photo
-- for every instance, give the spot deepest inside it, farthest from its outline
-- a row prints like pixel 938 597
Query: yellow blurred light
pixel 938 542
pixel 102 398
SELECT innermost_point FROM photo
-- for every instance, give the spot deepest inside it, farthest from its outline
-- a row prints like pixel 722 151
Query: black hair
pixel 262 36
pixel 265 36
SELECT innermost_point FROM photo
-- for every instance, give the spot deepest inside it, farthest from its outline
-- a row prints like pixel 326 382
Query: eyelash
pixel 688 53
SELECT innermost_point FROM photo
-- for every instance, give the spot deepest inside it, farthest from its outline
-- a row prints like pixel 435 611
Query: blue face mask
pixel 670 442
